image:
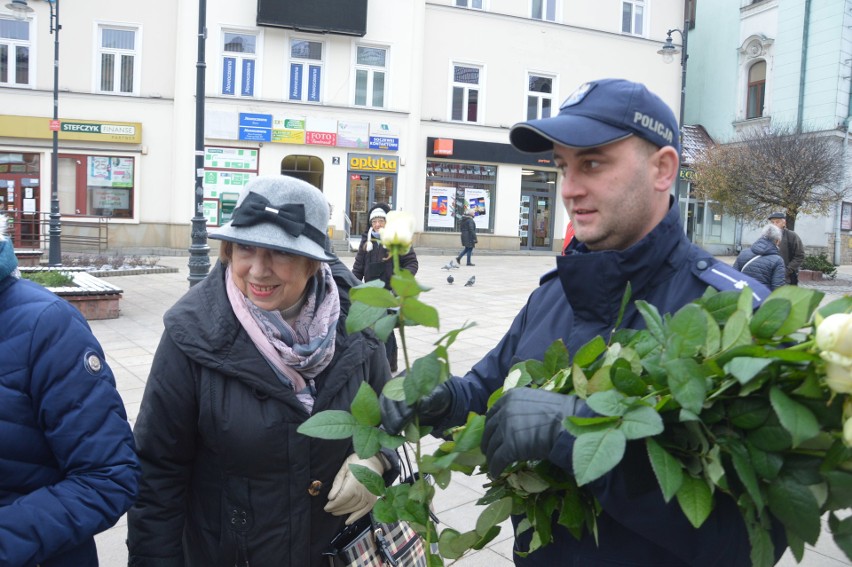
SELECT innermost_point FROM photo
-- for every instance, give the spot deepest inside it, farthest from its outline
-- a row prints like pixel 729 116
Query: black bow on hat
pixel 256 209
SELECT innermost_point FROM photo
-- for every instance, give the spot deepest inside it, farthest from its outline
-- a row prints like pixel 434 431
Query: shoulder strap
pixel 756 256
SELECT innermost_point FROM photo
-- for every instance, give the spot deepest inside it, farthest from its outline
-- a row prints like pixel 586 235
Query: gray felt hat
pixel 282 213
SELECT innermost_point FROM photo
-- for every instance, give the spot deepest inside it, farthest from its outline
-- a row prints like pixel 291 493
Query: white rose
pixel 834 334
pixel 398 231
pixel 847 432
pixel 838 372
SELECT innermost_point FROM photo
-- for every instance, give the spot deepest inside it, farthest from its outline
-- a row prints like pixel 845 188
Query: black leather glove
pixel 523 425
pixel 431 409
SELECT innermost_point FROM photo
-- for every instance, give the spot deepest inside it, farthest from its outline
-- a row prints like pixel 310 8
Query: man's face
pixel 780 223
pixel 609 192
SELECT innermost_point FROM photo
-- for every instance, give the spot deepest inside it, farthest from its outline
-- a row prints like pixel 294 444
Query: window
pixel 370 75
pixel 117 60
pixel 14 53
pixel 239 63
pixel 756 90
pixel 465 100
pixel 544 10
pixel 96 185
pixel 539 96
pixel 452 188
pixel 470 4
pixel 633 17
pixel 305 61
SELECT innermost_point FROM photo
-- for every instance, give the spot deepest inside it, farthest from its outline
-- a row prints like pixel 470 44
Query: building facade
pixel 404 102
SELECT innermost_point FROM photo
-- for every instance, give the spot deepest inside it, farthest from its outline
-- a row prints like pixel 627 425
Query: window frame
pixel 307 67
pixel 632 31
pixel 469 4
pixel 80 192
pixel 243 62
pixel 546 6
pixel 13 45
pixel 467 87
pixel 759 87
pixel 541 96
pixel 100 51
pixel 371 70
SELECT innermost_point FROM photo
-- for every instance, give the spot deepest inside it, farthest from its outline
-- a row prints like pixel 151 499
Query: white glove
pixel 347 495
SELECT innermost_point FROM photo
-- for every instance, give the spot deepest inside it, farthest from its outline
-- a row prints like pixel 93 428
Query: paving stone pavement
pixel 503 283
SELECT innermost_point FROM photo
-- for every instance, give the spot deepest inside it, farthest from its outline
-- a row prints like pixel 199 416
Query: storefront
pixel 372 179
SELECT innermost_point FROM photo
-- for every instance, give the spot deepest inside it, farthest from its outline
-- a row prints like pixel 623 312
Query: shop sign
pixel 43 128
pixel 321 138
pixel 687 174
pixel 384 143
pixel 366 162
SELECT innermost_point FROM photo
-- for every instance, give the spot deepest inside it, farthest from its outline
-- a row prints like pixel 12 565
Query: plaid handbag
pixel 368 543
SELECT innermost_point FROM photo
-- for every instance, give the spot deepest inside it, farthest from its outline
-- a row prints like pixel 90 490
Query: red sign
pixel 442 147
pixel 321 138
pixel 54 125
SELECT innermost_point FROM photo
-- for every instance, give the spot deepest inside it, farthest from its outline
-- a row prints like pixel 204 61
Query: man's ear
pixel 665 162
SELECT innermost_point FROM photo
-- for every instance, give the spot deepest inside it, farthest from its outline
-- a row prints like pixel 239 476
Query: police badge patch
pixel 578 95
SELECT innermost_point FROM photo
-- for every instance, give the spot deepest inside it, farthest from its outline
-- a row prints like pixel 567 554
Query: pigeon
pixel 471 281
pixel 450 266
pixel 450 279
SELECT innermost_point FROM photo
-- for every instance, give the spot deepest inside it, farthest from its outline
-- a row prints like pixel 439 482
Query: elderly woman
pixel 763 261
pixel 247 355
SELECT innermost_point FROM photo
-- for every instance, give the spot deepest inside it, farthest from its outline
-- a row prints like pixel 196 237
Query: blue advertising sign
pixel 314 73
pixel 228 69
pixel 255 120
pixel 384 143
pixel 295 81
pixel 250 134
pixel 248 77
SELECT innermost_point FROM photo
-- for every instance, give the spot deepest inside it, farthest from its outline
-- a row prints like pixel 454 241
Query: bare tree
pixel 773 169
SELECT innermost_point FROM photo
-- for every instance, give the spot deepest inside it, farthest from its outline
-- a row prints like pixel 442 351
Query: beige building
pixel 408 102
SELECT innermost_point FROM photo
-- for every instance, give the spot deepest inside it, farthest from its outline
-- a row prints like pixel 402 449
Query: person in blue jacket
pixel 68 469
pixel 762 260
pixel 616 146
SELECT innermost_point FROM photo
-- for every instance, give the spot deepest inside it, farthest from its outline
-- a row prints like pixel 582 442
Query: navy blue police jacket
pixel 577 301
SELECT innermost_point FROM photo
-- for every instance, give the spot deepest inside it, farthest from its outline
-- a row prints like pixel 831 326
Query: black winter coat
pixel 468 232
pixel 376 265
pixel 764 263
pixel 226 479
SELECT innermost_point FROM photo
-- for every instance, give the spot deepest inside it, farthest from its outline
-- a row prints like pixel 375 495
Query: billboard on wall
pixel 345 17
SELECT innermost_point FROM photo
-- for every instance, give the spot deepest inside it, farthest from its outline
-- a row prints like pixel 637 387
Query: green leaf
pixel 590 352
pixel 384 511
pixel 653 320
pixel 762 548
pixel 749 413
pixel 770 317
pixel 329 424
pixel 766 465
pixel 841 305
pixel 688 331
pixel 362 316
pixel 721 306
pixel 745 302
pixel 736 331
pixel 771 437
pixel 746 473
pixel 796 418
pixel 666 468
pixel 404 284
pixel 596 453
pixel 367 441
pixel 471 436
pixel 495 513
pixel 373 295
pixel 795 506
pixel 695 500
pixel 841 531
pixel 628 382
pixel 385 326
pixel 365 406
pixel 609 403
pixel 641 421
pixel 415 310
pixel 556 357
pixel 394 389
pixel 625 301
pixel 528 481
pixel 803 301
pixel 687 383
pixel 370 479
pixel 424 377
pixel 745 368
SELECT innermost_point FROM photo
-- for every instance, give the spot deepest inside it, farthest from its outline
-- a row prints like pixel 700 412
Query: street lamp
pixel 199 251
pixel 668 51
pixel 21 11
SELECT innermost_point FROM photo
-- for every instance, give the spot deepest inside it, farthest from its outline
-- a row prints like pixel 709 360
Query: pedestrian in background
pixel 247 356
pixel 616 146
pixel 372 262
pixel 791 248
pixel 68 469
pixel 468 236
pixel 762 260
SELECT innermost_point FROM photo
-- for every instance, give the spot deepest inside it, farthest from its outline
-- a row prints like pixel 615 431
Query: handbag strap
pixel 756 256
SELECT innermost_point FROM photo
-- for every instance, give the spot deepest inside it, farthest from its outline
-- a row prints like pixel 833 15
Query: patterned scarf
pixel 298 353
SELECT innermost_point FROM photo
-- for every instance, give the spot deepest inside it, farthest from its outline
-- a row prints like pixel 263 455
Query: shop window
pixel 239 63
pixel 452 188
pixel 539 96
pixel 306 70
pixel 477 4
pixel 96 185
pixel 756 90
pixel 465 93
pixel 306 168
pixel 544 10
pixel 633 17
pixel 14 53
pixel 370 76
pixel 117 60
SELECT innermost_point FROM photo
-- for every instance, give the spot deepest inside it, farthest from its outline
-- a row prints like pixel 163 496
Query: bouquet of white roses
pixel 751 404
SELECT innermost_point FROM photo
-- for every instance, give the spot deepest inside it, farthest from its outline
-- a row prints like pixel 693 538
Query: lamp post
pixel 21 11
pixel 199 251
pixel 668 51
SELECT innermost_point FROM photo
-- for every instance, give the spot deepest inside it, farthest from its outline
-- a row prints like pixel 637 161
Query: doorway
pixel 20 199
pixel 364 190
pixel 306 168
pixel 535 219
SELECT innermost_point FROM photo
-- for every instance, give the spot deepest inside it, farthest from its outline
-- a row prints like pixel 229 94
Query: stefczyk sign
pixel 122 130
pixel 96 131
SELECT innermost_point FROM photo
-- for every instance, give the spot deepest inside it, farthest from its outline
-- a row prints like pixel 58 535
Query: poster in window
pixel 441 207
pixel 211 211
pixel 99 172
pixel 846 217
pixel 121 170
pixel 478 201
